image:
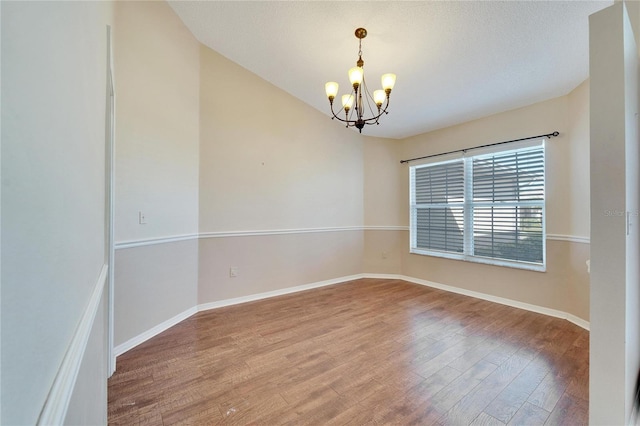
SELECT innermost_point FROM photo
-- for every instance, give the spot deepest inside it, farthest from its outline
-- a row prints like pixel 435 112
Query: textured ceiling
pixel 455 61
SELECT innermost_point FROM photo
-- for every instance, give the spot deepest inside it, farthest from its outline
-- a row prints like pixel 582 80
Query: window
pixel 485 208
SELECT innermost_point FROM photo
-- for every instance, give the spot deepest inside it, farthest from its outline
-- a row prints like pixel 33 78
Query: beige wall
pixel 549 289
pixel 577 157
pixel 540 118
pixel 157 106
pixel 288 167
pixel 269 162
pixel 53 190
pixel 383 178
pixel 384 212
pixel 565 284
pixel 273 262
pixel 383 251
pixel 157 65
pixel 153 284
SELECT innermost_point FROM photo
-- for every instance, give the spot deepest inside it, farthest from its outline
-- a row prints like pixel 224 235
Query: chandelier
pixel 354 115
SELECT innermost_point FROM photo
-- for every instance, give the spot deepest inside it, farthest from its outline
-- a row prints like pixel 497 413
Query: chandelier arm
pixel 368 97
pixel 335 115
pixel 360 109
pixel 350 122
pixel 374 119
pixel 338 117
pixel 383 111
pixel 370 120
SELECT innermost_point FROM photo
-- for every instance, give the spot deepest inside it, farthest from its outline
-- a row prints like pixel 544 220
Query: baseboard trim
pixel 56 405
pixel 578 321
pixel 141 338
pixel 135 341
pixel 275 293
pixel 488 297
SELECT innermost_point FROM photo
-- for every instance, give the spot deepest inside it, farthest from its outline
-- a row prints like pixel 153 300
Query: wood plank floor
pixel 363 352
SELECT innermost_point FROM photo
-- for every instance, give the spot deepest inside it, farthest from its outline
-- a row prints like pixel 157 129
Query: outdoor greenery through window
pixel 486 208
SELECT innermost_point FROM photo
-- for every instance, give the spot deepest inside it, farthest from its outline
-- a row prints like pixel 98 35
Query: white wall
pixel 89 398
pixel 53 189
pixel 615 317
pixel 632 206
pixel 0 221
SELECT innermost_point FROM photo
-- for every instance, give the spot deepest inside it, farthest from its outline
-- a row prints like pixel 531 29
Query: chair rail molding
pixel 55 407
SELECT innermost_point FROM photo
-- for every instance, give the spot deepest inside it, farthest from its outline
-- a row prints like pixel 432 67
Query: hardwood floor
pixel 364 352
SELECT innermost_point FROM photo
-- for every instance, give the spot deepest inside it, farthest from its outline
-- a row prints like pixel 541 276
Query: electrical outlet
pixel 385 254
pixel 233 271
pixel 142 219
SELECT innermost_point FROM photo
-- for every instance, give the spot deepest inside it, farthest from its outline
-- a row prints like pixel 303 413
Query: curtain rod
pixel 548 135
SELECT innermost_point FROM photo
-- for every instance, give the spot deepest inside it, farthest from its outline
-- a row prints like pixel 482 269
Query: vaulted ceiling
pixel 455 61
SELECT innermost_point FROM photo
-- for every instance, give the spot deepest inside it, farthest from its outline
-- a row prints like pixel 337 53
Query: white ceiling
pixel 455 61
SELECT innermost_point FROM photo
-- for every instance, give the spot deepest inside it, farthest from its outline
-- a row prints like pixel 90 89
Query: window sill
pixel 485 260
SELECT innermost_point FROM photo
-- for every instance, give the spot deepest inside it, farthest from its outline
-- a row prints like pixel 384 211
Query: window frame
pixel 468 204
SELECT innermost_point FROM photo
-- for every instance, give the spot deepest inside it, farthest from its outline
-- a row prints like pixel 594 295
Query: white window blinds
pixel 439 206
pixel 508 205
pixel 487 208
